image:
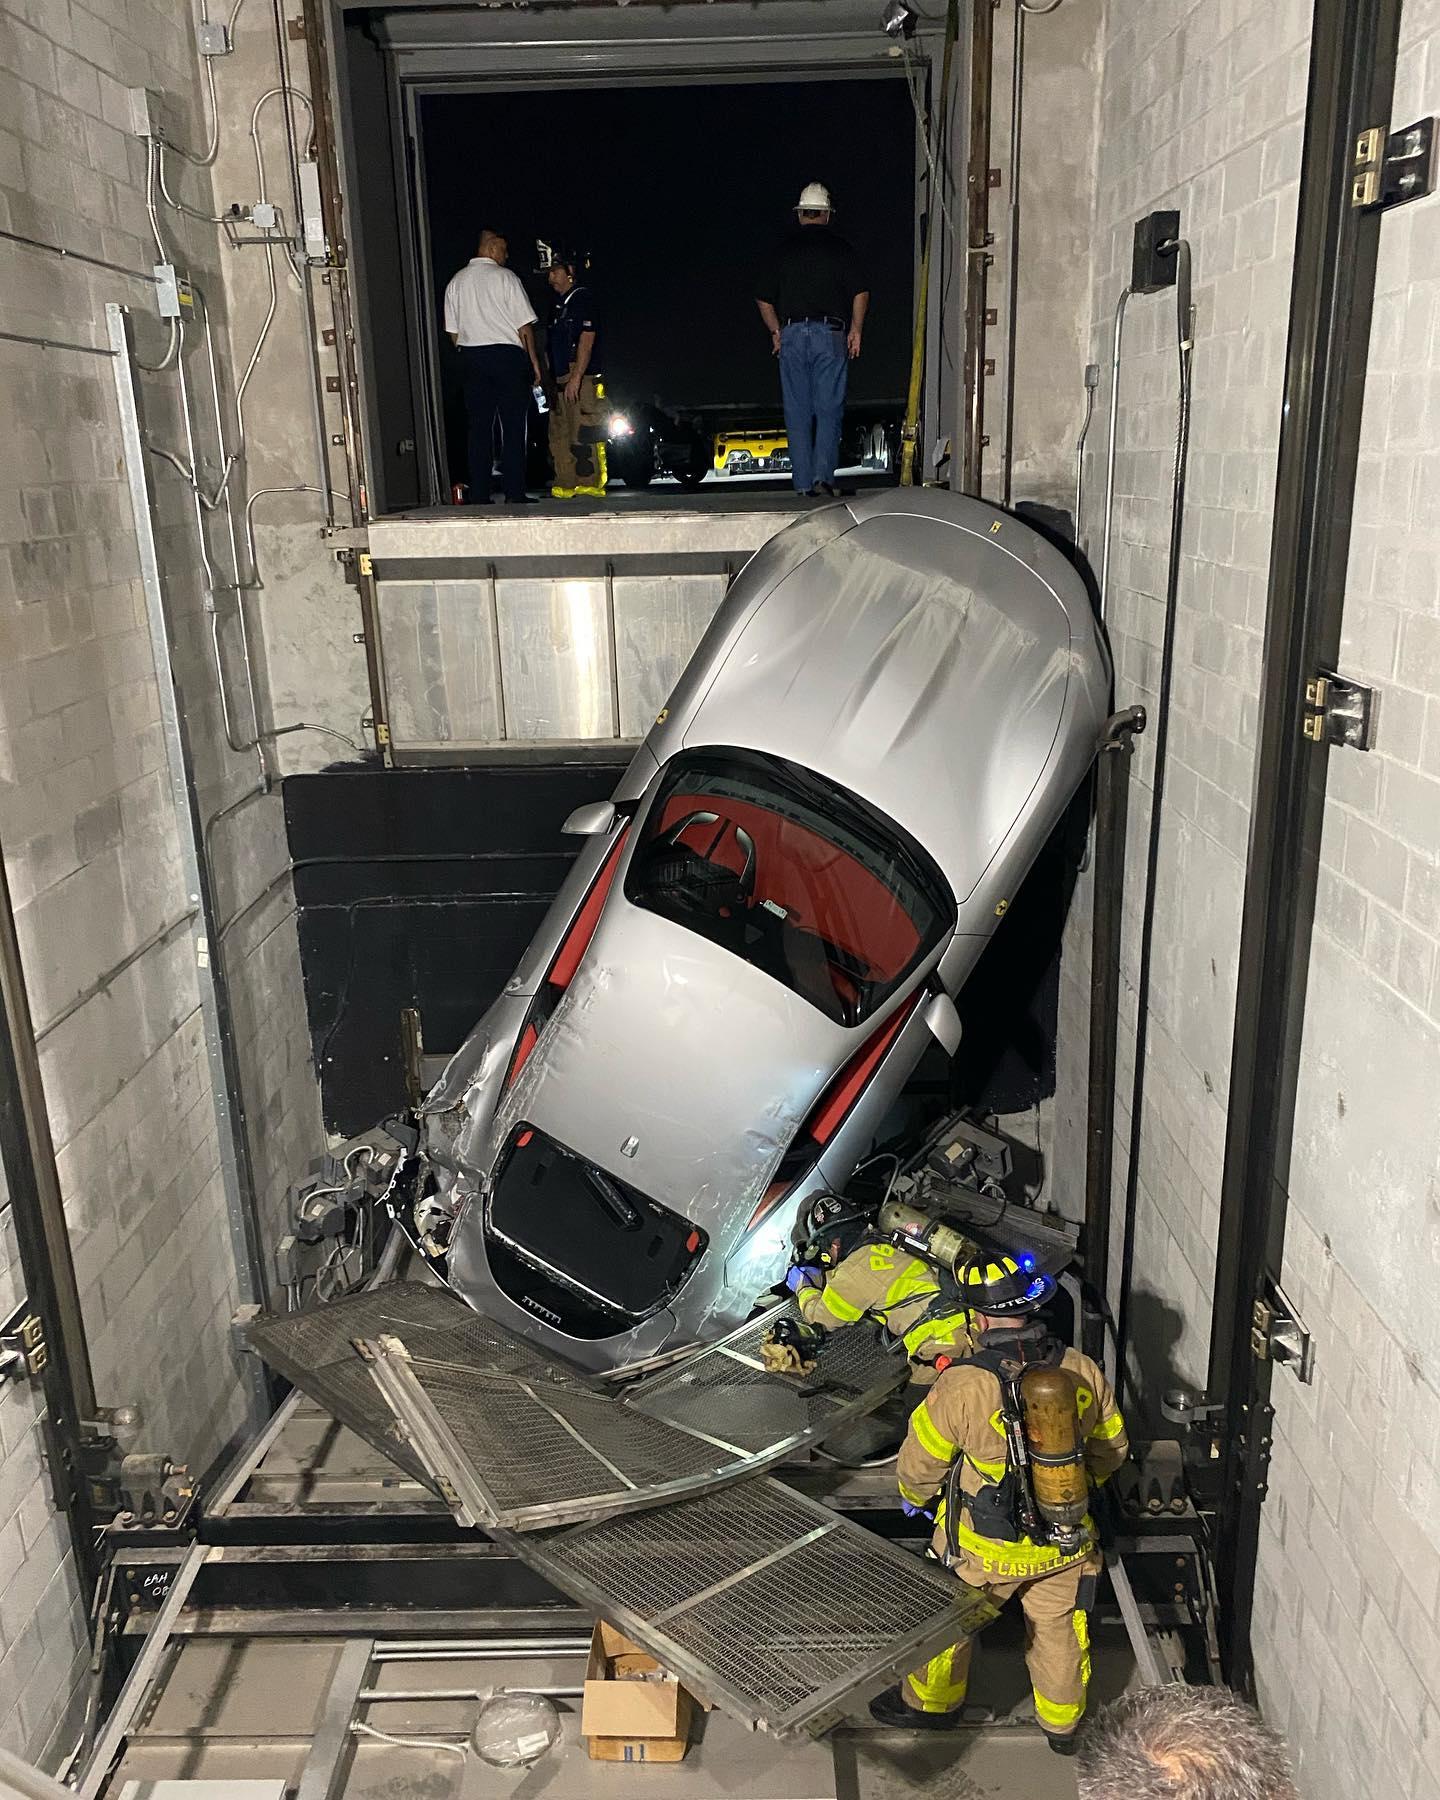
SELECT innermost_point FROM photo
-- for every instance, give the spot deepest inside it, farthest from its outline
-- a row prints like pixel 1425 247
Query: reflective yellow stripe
pixel 939 1331
pixel 992 1471
pixel 1081 1622
pixel 839 1307
pixel 930 1439
pixel 1056 1717
pixel 911 1494
pixel 1109 1428
pixel 1017 1561
pixel 809 1301
pixel 934 1686
pixel 909 1284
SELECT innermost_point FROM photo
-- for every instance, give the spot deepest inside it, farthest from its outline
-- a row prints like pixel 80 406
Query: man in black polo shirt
pixel 577 437
pixel 813 299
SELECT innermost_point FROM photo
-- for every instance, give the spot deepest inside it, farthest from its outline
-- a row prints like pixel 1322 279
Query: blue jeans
pixel 814 367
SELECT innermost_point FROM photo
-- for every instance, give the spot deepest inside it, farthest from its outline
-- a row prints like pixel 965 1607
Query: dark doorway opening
pixel 678 193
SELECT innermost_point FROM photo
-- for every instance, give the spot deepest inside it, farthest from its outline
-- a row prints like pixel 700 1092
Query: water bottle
pixel 542 405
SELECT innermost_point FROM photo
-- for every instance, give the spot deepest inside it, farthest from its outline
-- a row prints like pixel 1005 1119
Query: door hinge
pixel 23 1349
pixel 1279 1335
pixel 1339 712
pixel 1388 171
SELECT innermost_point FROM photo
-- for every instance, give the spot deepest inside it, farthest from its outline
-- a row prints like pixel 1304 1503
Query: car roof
pixel 921 657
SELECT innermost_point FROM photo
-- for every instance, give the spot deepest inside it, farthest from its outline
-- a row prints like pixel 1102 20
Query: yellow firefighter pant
pixel 1057 1646
pixel 577 448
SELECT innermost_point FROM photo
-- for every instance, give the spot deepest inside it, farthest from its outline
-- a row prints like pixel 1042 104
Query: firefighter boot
pixel 890 1709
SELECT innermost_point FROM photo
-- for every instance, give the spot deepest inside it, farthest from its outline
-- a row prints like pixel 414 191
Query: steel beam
pixel 236 1171
pixel 1352 72
pixel 32 1183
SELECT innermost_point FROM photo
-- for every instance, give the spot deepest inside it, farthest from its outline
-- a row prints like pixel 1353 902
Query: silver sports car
pixel 767 924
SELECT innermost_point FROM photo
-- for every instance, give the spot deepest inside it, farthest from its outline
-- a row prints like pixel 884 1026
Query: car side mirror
pixel 591 820
pixel 943 1021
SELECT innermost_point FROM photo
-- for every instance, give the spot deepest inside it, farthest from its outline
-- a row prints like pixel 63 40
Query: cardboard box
pixel 632 1711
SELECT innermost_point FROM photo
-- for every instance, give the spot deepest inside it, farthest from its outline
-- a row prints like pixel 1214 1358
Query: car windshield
pixel 794 874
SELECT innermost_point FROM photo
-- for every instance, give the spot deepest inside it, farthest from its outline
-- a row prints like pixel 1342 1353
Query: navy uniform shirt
pixel 572 314
pixel 814 273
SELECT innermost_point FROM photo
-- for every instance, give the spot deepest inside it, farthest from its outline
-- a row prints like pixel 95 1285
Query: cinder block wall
pixel 1201 107
pixel 86 822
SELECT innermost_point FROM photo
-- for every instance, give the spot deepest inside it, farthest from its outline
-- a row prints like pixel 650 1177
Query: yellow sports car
pixel 752 453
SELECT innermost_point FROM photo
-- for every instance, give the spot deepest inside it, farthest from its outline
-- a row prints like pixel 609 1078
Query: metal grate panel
pixel 724 1393
pixel 434 1323
pixel 762 1601
pixel 518 1454
pixel 316 1351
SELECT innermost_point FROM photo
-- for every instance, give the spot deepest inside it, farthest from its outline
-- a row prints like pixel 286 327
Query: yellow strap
pixel 930 1439
pixel 840 1307
pixel 1109 1428
pixel 992 1471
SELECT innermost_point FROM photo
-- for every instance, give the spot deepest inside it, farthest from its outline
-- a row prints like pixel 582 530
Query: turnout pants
pixel 497 386
pixel 814 373
pixel 577 438
pixel 1057 1645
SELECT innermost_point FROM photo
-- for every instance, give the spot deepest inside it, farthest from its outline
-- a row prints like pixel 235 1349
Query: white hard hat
pixel 814 197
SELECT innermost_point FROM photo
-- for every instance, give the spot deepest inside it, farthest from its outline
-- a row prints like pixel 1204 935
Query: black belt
pixel 816 319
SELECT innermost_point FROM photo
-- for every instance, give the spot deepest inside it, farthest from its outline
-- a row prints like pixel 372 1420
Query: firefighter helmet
pixel 815 197
pixel 834 1225
pixel 999 1284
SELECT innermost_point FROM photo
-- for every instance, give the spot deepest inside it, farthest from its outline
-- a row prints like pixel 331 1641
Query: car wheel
pixel 691 473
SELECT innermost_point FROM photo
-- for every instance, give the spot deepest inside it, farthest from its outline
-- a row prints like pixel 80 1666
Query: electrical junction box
pixel 264 215
pixel 173 293
pixel 212 38
pixel 144 112
pixel 312 213
pixel 1150 270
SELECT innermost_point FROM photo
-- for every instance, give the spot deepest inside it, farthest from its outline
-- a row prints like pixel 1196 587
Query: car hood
pixel 921 665
pixel 676 1067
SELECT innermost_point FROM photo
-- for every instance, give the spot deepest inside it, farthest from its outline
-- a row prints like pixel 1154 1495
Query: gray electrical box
pixel 312 214
pixel 173 293
pixel 212 38
pixel 144 112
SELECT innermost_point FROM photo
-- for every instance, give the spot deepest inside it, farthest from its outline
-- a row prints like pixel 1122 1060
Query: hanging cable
pixel 1109 524
pixel 1184 334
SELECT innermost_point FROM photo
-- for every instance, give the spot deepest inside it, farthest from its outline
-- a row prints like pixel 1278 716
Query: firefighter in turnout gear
pixel 903 1291
pixel 1001 1454
pixel 915 1299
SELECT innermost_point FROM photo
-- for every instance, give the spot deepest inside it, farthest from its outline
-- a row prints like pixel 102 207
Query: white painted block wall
pixel 86 824
pixel 1202 107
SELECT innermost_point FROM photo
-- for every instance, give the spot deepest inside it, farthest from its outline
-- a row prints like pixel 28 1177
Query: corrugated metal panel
pixel 476 663
pixel 659 619
pixel 441 659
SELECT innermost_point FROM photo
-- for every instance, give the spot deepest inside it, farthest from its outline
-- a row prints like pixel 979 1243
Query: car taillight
pixel 851 1082
pixel 568 957
pixel 577 939
pixel 831 1109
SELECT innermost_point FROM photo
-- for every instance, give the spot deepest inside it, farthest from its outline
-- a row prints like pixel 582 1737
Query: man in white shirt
pixel 491 321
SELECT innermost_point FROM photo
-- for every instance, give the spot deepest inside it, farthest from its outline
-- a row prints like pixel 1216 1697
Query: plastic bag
pixel 514 1730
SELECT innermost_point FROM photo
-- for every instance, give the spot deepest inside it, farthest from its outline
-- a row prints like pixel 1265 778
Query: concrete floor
pixel 759 493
